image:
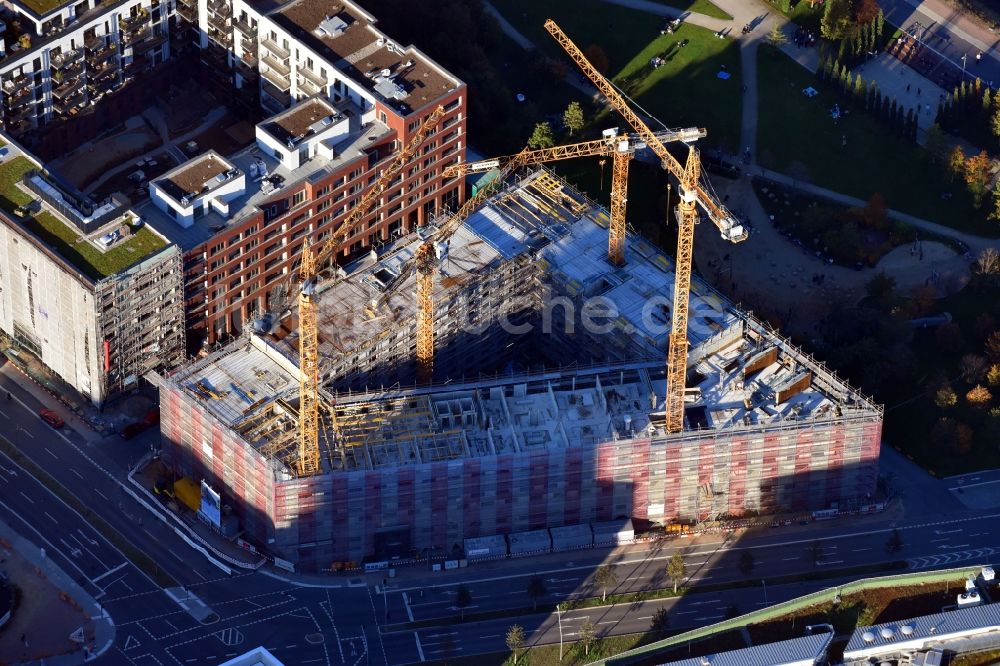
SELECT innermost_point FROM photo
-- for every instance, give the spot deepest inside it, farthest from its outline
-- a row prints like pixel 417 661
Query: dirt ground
pixel 95 157
pixel 769 271
pixel 43 618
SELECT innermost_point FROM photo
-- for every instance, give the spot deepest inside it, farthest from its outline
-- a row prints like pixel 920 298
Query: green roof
pixel 41 7
pixel 73 247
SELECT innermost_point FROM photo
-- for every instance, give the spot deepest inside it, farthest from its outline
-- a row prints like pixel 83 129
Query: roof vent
pixel 386 73
pixel 906 630
pixel 868 637
pixel 887 633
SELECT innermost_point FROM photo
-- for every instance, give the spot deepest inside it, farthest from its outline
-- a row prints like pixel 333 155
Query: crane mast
pixel 691 192
pixel 308 459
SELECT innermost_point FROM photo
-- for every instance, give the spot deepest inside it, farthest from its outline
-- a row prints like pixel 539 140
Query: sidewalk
pixel 58 613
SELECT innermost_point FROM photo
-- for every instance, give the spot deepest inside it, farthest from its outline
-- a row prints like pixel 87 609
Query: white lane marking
pixel 110 571
pixel 26 497
pixel 830 562
pixel 50 517
pixel 76 472
pixel 50 453
pixel 420 648
pixel 789 559
pixel 102 495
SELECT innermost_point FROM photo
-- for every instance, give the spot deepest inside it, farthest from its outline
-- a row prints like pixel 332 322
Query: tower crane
pixel 692 191
pixel 308 445
pixel 621 148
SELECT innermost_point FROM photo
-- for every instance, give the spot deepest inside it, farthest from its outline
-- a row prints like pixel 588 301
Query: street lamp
pixel 559 614
pixel 964 56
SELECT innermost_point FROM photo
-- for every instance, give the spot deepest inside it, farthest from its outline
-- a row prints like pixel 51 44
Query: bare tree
pixel 463 597
pixel 605 577
pixel 988 262
pixel 515 640
pixel 536 589
pixel 972 367
pixel 660 622
pixel 588 632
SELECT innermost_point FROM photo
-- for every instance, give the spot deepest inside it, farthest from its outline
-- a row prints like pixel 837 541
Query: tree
pixel 995 123
pixel 894 543
pixel 945 397
pixel 660 622
pixel 881 287
pixel 676 570
pixel 536 589
pixel 573 118
pixel 972 367
pixel 588 632
pixel 598 58
pixel 993 375
pixel 463 597
pixel 541 137
pixel 515 639
pixel 979 396
pixel 837 22
pixel 993 345
pixel 746 562
pixel 949 434
pixel 949 338
pixel 956 162
pixel 977 176
pixel 995 213
pixel 935 142
pixel 605 577
pixel 815 552
pixel 776 37
pixel 988 261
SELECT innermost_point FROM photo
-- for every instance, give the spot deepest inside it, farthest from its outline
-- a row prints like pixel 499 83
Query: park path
pixel 759 15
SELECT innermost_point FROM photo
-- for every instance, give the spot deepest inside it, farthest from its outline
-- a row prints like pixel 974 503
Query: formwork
pixel 416 469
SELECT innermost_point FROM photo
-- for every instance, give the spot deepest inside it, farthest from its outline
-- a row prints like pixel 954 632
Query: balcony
pixel 16 95
pixel 18 127
pixel 67 88
pixel 155 38
pixel 17 85
pixel 133 36
pixel 189 14
pixel 20 113
pixel 220 7
pixel 314 78
pixel 134 23
pixel 278 81
pixel 67 59
pixel 276 65
pixel 275 48
pixel 103 72
pixel 243 25
pixel 282 98
pixel 307 86
pixel 70 105
pixel 223 39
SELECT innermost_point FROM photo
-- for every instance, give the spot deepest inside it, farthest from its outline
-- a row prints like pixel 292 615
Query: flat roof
pixel 344 34
pixel 299 120
pixel 193 176
pixel 792 652
pixel 346 149
pixel 938 626
pixel 82 251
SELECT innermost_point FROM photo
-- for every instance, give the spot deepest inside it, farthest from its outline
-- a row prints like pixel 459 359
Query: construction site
pixel 553 369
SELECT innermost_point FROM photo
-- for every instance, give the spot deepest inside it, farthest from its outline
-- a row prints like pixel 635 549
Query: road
pixel 352 622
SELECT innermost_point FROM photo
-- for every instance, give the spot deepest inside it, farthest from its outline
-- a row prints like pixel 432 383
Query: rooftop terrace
pixel 260 189
pixel 343 33
pixel 300 120
pixel 194 176
pixel 79 250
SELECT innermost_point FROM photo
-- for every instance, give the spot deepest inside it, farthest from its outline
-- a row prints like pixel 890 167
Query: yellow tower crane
pixel 621 148
pixel 308 451
pixel 691 191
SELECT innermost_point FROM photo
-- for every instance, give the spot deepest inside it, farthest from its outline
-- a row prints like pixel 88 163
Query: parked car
pixel 51 418
pixel 151 419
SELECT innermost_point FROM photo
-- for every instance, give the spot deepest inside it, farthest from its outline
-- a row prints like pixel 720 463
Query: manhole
pixel 314 639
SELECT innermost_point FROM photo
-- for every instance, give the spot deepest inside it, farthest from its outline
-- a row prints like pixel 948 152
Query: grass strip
pixel 649 595
pixel 140 559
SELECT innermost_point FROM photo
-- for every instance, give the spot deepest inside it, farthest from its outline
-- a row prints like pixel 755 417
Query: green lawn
pixel 698 7
pixel 686 91
pixel 796 136
pixel 78 251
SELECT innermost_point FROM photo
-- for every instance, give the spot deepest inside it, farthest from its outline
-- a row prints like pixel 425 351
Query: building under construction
pixel 539 418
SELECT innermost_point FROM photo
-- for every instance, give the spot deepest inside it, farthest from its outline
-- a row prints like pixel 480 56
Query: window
pixel 234 254
pixel 383 118
pixel 216 249
pixel 299 198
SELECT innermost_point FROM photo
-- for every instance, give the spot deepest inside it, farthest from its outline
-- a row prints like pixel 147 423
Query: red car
pixel 51 418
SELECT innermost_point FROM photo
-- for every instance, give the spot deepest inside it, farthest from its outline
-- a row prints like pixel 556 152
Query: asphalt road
pixel 353 622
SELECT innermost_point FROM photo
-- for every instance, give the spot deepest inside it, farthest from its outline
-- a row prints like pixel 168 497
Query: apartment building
pixel 298 64
pixel 89 288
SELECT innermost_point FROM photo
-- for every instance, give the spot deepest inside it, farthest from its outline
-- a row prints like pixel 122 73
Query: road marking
pixel 939 540
pixel 406 603
pixel 684 612
pixel 789 559
pixel 830 562
pixel 420 649
pixel 50 453
pixel 859 550
pixel 25 432
pixel 171 551
pixel 26 497
pixel 102 495
pixel 4 414
pixel 76 472
pixel 110 571
pixel 50 517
